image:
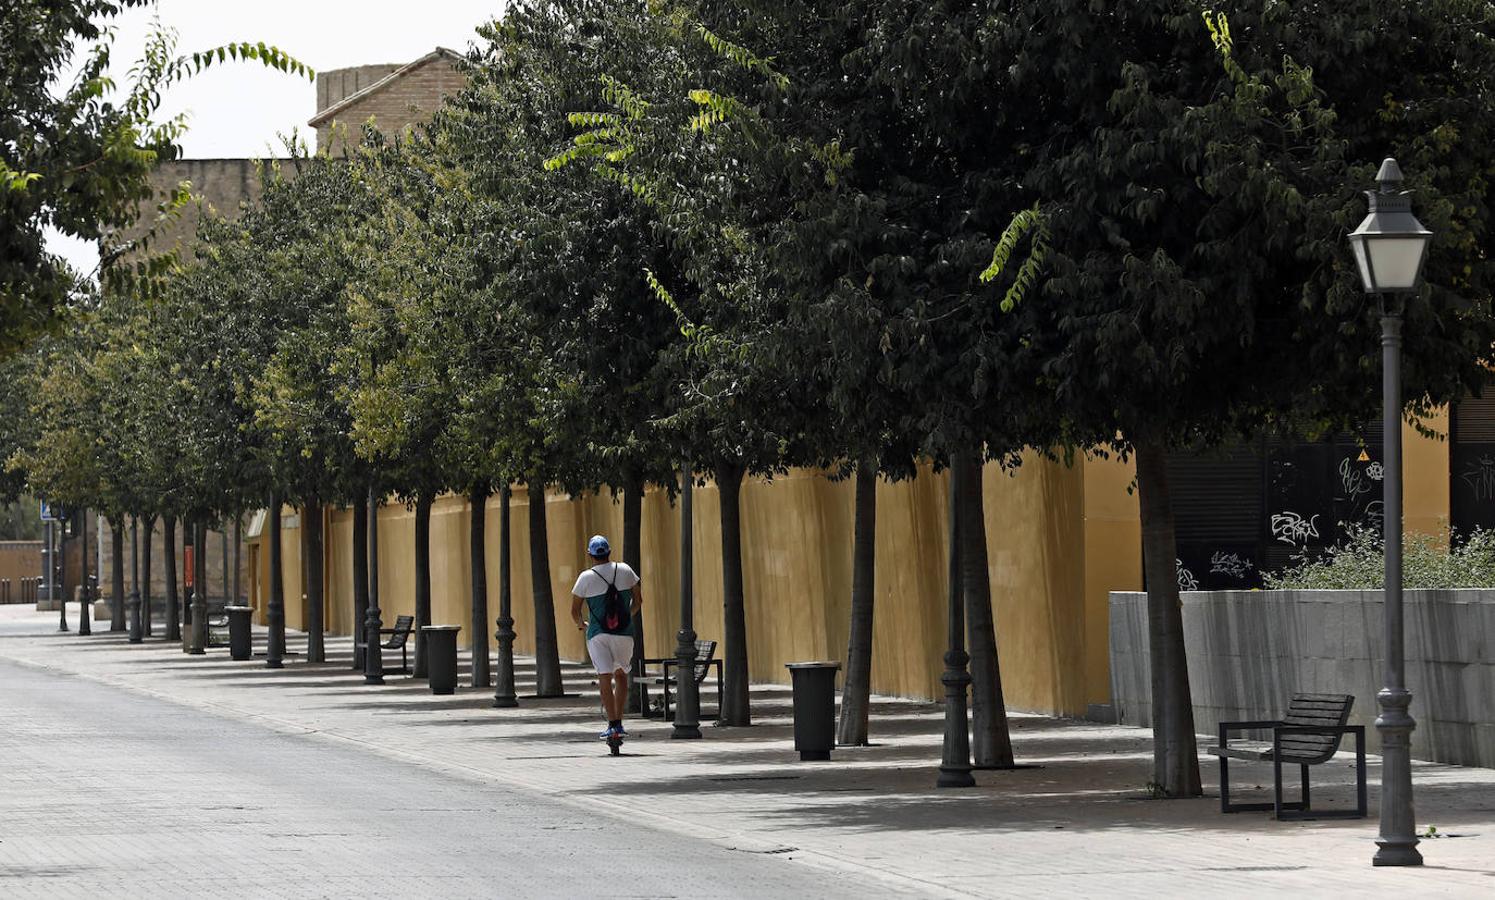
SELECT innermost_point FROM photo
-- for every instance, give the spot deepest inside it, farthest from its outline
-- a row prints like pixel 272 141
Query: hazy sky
pixel 239 110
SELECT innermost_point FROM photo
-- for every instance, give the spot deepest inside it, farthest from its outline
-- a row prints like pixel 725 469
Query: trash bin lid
pixel 441 628
pixel 821 664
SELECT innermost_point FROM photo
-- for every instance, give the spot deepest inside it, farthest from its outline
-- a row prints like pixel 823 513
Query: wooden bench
pixel 399 640
pixel 1309 735
pixel 705 660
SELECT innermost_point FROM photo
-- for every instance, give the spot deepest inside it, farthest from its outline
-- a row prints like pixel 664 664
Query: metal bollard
pixel 814 708
pixel 137 626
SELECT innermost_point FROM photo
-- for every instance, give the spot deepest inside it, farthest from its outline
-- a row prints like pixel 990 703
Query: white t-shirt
pixel 594 581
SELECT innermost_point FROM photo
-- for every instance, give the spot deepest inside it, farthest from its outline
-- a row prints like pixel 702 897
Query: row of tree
pixel 740 237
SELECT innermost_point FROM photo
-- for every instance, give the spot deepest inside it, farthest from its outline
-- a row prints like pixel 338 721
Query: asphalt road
pixel 110 793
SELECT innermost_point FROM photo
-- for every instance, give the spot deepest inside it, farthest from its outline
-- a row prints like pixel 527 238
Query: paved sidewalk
pixel 1079 824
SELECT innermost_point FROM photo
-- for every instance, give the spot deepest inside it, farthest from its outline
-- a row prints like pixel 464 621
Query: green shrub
pixel 1359 563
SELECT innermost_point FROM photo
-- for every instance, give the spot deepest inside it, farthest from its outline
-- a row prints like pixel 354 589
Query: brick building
pixel 391 96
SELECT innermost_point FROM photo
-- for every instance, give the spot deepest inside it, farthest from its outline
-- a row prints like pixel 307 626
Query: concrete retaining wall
pixel 1249 651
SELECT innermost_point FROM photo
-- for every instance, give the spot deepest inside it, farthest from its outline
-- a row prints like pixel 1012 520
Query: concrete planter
pixel 1249 651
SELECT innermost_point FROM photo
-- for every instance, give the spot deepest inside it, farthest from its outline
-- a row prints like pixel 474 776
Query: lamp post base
pixel 1397 854
pixel 1397 841
pixel 955 767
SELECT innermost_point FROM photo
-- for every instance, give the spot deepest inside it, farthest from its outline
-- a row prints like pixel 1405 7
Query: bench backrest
pixel 403 627
pixel 705 650
pixel 1332 710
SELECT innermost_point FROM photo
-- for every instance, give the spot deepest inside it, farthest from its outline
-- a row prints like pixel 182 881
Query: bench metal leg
pixel 1225 805
pixel 1360 803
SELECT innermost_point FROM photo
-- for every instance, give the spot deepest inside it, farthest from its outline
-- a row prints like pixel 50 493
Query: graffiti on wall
pixel 1294 528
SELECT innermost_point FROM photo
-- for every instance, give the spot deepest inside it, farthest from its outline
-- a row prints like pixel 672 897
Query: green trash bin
pixel 240 637
pixel 814 708
pixel 441 657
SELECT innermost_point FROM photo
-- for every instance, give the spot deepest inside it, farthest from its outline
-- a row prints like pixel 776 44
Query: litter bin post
pixel 814 708
pixel 239 641
pixel 441 657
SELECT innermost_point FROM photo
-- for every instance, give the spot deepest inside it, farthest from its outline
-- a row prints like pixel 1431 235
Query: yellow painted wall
pixel 1425 475
pixel 1060 538
pixel 797 570
pixel 1113 561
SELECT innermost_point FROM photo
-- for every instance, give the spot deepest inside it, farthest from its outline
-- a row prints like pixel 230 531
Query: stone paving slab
pixel 112 793
pixel 1079 823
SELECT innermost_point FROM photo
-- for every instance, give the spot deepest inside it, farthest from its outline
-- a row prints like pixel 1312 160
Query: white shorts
pixel 611 652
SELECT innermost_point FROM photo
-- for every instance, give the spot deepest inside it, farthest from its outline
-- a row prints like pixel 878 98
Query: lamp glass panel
pixel 1396 261
pixel 1357 243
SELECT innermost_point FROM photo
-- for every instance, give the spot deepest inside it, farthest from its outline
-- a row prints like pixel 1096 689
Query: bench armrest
pixel 1226 728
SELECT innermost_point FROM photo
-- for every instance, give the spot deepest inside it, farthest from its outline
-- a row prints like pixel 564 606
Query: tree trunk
pixel 422 581
pixel 360 577
pixel 1175 756
pixel 991 745
pixel 478 547
pixel 275 613
pixel 547 653
pixel 857 690
pixel 145 577
pixel 238 559
pixel 736 708
pixel 228 597
pixel 116 574
pixel 311 525
pixel 633 554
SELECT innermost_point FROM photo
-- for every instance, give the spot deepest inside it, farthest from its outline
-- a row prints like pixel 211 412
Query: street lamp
pixel 687 689
pixel 1390 250
pixel 955 764
pixel 503 683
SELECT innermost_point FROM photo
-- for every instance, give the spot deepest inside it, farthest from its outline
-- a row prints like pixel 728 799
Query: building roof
pixel 332 111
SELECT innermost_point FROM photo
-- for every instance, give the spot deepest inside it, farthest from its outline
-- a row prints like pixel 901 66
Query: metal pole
pixel 46 592
pixel 85 620
pixel 687 691
pixel 1398 840
pixel 955 764
pixel 60 586
pixel 200 588
pixel 503 691
pixel 137 625
pixel 275 610
pixel 373 655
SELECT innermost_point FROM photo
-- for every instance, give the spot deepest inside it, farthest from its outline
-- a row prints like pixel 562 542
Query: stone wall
pixel 1249 651
pixel 216 562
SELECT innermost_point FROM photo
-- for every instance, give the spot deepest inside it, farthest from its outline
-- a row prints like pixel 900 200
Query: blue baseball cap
pixel 598 546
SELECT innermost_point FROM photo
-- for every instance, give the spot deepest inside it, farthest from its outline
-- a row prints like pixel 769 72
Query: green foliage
pixel 77 161
pixel 1029 221
pixel 1359 563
